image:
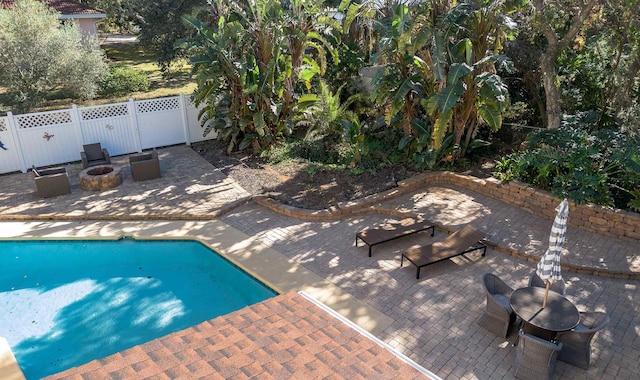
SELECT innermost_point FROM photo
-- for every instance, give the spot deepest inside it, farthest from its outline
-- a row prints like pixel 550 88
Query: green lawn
pixel 132 55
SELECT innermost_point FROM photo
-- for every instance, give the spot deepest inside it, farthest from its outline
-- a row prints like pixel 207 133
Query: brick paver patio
pixel 434 318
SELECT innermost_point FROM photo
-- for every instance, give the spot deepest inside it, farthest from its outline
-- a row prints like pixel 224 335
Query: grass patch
pixel 131 55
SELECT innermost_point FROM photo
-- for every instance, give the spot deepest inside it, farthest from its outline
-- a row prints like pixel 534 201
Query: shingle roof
pixel 283 337
pixel 65 7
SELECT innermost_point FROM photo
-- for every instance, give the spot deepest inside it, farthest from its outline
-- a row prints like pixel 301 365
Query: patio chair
pixel 463 241
pixel 408 226
pixel 556 286
pixel 145 166
pixel 93 155
pixel 51 182
pixel 535 357
pixel 498 315
pixel 577 342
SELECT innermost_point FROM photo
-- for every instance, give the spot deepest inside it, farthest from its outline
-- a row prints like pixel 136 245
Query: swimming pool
pixel 65 303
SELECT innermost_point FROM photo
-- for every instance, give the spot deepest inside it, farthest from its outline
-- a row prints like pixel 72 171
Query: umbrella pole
pixel 546 293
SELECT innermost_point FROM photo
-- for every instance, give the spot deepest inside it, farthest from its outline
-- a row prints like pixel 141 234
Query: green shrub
pixel 123 80
pixel 601 167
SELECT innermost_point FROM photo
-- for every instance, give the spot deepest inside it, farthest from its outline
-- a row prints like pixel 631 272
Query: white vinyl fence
pixel 54 137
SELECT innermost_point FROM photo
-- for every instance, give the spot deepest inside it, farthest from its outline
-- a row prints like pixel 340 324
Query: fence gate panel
pixel 160 122
pixel 9 154
pixel 48 138
pixel 110 125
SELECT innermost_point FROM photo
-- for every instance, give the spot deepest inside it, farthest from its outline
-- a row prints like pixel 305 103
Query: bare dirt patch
pixel 300 183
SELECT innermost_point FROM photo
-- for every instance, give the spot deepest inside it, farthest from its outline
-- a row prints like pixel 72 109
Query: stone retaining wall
pixel 604 220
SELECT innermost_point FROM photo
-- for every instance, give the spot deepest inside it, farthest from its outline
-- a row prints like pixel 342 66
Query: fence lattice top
pixel 157 105
pixel 105 112
pixel 41 119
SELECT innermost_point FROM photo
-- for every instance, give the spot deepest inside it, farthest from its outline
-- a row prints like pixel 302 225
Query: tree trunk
pixel 555 46
pixel 551 90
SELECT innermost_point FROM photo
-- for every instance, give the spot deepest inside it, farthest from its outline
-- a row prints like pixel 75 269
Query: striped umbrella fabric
pixel 548 268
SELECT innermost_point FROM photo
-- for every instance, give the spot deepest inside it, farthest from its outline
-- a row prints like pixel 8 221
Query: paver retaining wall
pixel 604 220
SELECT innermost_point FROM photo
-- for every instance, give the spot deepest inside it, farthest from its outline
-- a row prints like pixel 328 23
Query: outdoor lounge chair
pixel 463 241
pixel 145 166
pixel 576 348
pixel 93 155
pixel 535 357
pixel 556 286
pixel 498 315
pixel 375 236
pixel 51 182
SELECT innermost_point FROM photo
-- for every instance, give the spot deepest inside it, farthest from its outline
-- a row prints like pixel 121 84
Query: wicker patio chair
pixel 535 357
pixel 498 316
pixel 93 155
pixel 556 286
pixel 577 342
pixel 145 166
pixel 51 182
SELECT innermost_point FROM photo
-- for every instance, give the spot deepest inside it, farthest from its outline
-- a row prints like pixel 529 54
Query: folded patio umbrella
pixel 548 268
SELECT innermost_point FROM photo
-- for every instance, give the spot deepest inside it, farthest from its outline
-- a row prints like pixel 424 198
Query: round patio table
pixel 560 314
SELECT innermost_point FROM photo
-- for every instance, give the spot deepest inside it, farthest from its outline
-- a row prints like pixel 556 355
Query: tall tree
pixel 161 26
pixel 621 31
pixel 39 55
pixel 559 36
pixel 119 16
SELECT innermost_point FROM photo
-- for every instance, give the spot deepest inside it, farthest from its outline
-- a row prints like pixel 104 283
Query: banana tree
pixel 471 93
pixel 248 65
pixel 405 79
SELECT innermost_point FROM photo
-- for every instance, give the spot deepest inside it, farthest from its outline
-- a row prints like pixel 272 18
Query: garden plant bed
pixel 300 183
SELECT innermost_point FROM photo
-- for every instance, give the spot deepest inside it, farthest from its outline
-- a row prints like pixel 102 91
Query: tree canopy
pixel 40 55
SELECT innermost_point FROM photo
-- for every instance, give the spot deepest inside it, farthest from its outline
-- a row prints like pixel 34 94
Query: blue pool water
pixel 65 303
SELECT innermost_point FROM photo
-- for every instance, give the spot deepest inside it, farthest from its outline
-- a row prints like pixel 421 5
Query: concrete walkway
pixel 433 319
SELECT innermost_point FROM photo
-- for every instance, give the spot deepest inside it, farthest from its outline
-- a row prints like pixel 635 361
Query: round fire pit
pixel 102 177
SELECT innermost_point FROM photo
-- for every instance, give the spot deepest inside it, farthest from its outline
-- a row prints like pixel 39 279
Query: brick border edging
pixel 538 202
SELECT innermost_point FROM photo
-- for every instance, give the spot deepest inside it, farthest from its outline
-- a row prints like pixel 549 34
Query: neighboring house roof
pixel 66 8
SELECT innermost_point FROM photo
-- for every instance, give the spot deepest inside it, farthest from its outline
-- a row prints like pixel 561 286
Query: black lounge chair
pixel 463 241
pixel 375 236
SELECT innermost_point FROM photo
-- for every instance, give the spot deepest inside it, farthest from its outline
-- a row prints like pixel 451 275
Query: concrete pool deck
pixel 432 321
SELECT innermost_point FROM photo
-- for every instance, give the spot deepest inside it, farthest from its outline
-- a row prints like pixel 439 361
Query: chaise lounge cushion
pixel 405 227
pixel 460 242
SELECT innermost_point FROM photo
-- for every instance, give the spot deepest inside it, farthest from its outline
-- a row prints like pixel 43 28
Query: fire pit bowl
pixel 100 170
pixel 102 177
